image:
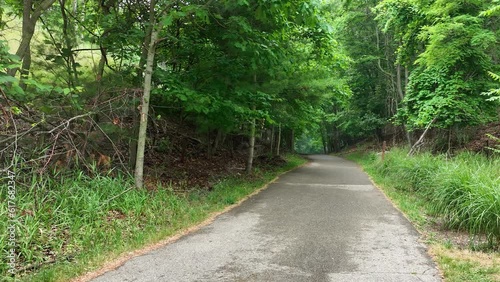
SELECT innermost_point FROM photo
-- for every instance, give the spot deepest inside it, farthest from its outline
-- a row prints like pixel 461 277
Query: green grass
pixel 69 226
pixel 463 193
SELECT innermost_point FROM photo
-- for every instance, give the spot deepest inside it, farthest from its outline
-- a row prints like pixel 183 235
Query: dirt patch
pixel 269 161
pixel 180 157
pixel 481 141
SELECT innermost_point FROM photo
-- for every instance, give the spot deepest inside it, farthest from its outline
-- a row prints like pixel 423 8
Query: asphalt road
pixel 322 222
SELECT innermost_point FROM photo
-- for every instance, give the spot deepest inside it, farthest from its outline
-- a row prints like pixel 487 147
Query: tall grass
pixel 464 190
pixel 68 225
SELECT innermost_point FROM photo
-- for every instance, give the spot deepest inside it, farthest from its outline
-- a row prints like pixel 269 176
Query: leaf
pixel 167 21
pixel 240 46
pixel 243 3
pixel 182 97
pixel 7 79
pixel 16 110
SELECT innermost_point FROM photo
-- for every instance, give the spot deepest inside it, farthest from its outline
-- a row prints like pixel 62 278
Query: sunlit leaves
pixel 492 11
pixel 494 94
pixel 457 39
pixel 445 96
pixel 457 46
pixel 9 84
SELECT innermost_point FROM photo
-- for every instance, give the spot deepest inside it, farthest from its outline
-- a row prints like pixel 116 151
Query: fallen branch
pixel 420 140
pixel 66 122
pixel 116 196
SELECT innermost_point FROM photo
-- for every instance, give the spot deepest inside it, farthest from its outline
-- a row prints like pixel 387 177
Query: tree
pixel 31 15
pixel 452 69
pixel 141 140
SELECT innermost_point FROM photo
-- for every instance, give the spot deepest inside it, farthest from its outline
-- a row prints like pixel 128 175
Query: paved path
pixel 322 222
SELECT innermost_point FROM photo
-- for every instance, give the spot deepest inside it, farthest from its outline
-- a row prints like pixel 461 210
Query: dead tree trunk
pixel 420 140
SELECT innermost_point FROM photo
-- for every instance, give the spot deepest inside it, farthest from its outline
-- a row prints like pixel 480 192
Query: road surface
pixel 322 222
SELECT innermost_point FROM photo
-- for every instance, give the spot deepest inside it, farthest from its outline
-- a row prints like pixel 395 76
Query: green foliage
pixel 463 191
pixel 457 52
pixel 9 84
pixel 363 112
pixel 466 193
pixel 460 39
pixel 310 143
pixel 494 94
pixel 404 19
pixel 494 10
pixel 447 97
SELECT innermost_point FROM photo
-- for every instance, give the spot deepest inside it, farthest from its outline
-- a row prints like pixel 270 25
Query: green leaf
pixel 167 21
pixel 182 97
pixel 7 79
pixel 16 110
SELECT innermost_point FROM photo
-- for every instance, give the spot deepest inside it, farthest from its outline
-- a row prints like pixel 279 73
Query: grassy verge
pixel 455 204
pixel 67 227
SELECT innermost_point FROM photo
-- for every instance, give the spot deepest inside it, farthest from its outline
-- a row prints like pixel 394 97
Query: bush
pixel 409 174
pixel 467 193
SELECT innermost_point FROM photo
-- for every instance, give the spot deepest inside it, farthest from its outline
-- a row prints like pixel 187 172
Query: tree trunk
pixel 407 77
pixel 141 140
pixel 401 95
pixel 421 139
pixel 279 140
pixel 144 49
pixel 399 82
pixel 324 136
pixel 132 145
pixel 70 58
pixel 28 27
pixel 218 140
pixel 292 142
pixel 209 144
pixel 272 140
pixel 25 69
pixel 251 148
pixel 100 66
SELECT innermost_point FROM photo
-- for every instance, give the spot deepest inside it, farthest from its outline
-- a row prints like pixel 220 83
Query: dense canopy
pixel 317 74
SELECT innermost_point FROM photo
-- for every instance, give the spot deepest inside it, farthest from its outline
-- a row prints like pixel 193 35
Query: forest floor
pixel 481 141
pixel 179 157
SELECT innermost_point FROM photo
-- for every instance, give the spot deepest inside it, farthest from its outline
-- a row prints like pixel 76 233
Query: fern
pixel 493 11
pixel 494 93
pixel 496 147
